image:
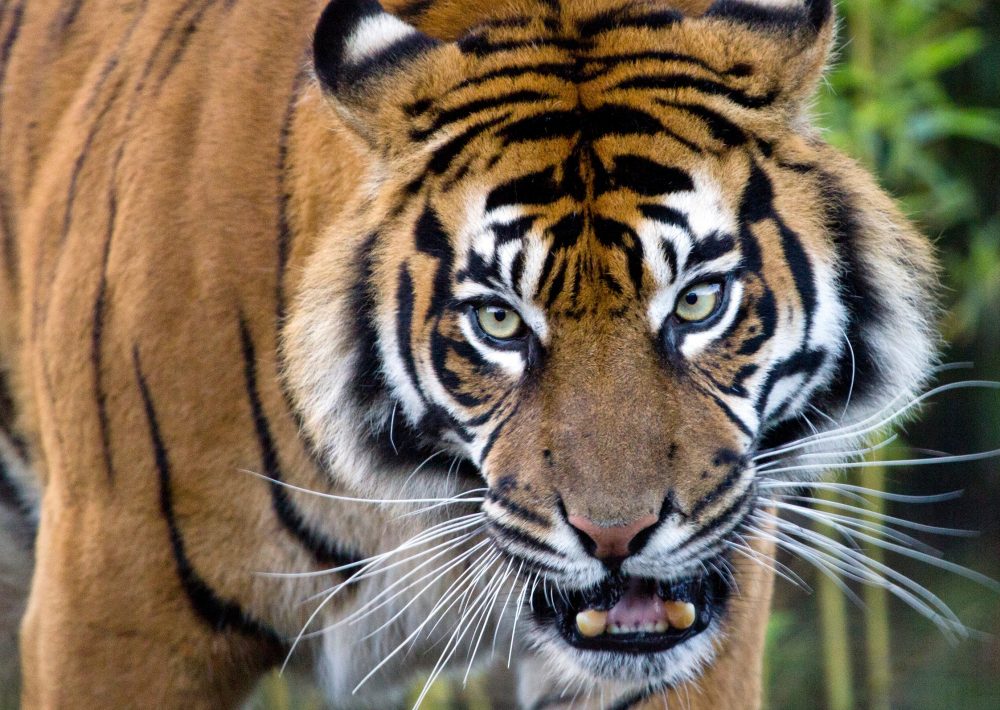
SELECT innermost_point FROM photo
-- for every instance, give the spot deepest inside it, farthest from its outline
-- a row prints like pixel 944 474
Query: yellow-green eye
pixel 499 322
pixel 698 302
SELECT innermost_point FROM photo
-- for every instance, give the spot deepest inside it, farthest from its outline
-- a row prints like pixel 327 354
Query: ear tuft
pixel 356 40
pixel 790 15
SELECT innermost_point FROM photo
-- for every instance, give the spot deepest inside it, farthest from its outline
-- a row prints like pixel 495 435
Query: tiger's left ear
pixel 791 40
pixel 369 61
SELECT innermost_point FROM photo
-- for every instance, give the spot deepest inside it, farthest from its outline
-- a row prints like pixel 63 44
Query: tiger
pixel 368 340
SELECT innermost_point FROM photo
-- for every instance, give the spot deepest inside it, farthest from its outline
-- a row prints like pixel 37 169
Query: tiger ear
pixel 361 53
pixel 792 39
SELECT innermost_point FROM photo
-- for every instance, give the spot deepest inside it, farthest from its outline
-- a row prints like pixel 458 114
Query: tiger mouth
pixel 633 615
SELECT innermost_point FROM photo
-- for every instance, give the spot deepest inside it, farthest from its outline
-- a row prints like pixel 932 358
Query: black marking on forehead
pixel 709 248
pixel 672 82
pixel 539 188
pixel 470 108
pixel 721 128
pixel 616 19
pixel 648 178
pixel 445 155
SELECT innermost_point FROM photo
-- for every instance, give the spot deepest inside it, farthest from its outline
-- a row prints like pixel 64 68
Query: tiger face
pixel 604 260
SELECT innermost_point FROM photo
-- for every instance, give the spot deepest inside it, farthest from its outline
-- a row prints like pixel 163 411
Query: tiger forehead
pixel 584 62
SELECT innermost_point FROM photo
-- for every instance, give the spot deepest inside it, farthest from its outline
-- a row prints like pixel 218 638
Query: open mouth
pixel 633 614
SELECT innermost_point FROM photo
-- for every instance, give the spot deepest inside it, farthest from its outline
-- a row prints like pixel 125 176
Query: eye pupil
pixel 691 298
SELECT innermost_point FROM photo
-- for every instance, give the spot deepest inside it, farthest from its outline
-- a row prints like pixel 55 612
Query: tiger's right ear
pixel 361 53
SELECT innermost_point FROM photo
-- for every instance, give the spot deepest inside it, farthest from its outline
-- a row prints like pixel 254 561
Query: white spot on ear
pixel 373 35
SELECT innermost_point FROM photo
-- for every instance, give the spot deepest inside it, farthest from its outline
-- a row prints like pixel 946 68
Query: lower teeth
pixel 680 615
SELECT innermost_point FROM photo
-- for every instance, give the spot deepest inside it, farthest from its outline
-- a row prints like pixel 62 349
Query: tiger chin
pixel 464 323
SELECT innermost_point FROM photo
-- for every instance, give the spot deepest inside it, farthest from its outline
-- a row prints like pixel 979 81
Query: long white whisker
pixel 958 458
pixel 830 454
pixel 503 610
pixel 482 562
pixel 486 617
pixel 517 615
pixel 838 487
pixel 879 574
pixel 876 421
pixel 901 522
pixel 352 499
pixel 375 566
pixel 386 596
pixel 461 628
pixel 437 573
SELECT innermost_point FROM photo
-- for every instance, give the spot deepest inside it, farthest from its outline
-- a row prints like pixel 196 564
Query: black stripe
pixel 445 154
pixel 186 34
pixel 481 46
pixel 721 128
pixel 562 71
pixel 519 537
pixel 10 251
pixel 283 230
pixel 517 509
pixel 324 550
pixel 538 188
pixel 220 614
pixel 469 109
pixel 705 86
pixel 648 178
pixel 97 331
pixel 617 19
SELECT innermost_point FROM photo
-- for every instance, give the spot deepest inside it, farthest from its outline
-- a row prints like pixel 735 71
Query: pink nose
pixel 611 542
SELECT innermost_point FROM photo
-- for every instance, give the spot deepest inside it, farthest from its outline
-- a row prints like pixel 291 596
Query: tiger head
pixel 601 261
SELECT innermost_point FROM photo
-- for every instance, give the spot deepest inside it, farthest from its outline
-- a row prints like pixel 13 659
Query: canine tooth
pixel 680 614
pixel 661 627
pixel 591 622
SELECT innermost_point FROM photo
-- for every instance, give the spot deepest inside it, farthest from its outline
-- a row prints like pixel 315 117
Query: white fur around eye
pixel 696 341
pixel 510 361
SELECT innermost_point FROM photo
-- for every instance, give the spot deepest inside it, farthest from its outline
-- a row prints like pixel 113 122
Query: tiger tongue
pixel 639 607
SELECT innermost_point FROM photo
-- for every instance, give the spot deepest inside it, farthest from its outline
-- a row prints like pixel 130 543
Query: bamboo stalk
pixel 877 632
pixel 837 672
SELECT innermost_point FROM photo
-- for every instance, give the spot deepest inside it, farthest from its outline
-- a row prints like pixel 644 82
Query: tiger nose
pixel 610 543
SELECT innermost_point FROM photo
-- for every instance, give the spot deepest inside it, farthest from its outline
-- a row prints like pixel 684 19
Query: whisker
pixel 486 618
pixel 352 499
pixel 830 454
pixel 871 492
pixel 901 522
pixel 877 420
pixel 482 562
pixel 957 458
pixel 517 615
pixel 874 572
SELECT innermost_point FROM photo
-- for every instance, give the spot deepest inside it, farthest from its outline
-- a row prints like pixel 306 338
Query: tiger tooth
pixel 661 627
pixel 591 622
pixel 681 615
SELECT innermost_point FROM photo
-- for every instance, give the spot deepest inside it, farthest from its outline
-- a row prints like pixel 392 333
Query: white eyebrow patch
pixel 375 34
pixel 707 215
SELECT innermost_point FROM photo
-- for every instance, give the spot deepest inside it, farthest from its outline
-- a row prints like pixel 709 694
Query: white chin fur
pixel 584 669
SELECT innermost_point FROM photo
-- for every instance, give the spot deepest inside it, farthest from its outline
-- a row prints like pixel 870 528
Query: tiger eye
pixel 699 302
pixel 500 322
